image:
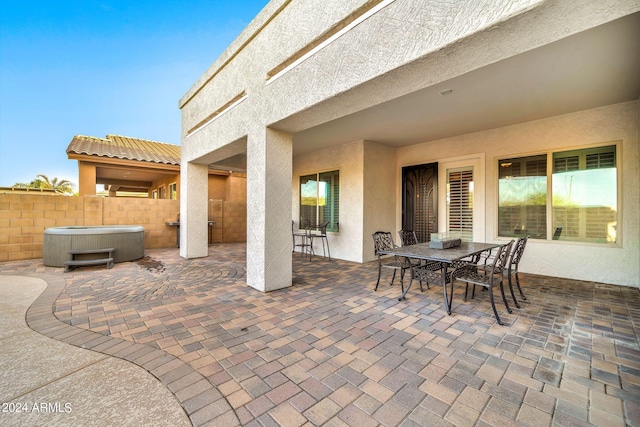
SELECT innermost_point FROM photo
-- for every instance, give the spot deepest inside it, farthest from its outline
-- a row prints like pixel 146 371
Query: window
pixel 162 192
pixel 460 202
pixel 582 203
pixel 320 199
pixel 584 185
pixel 173 191
pixel 522 197
pixel 154 194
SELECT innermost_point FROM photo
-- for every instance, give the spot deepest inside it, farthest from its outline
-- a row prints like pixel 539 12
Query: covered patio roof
pixel 129 164
pixel 124 163
pixel 594 68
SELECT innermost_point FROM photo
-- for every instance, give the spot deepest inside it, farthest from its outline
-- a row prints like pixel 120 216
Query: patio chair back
pixel 322 227
pixel 502 257
pixel 322 235
pixel 516 254
pixel 382 240
pixel 512 271
pixel 408 237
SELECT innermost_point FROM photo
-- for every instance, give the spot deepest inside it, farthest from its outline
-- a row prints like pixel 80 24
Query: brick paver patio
pixel 331 351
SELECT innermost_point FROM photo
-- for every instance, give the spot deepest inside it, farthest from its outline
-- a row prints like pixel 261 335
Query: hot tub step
pixel 91 251
pixel 84 262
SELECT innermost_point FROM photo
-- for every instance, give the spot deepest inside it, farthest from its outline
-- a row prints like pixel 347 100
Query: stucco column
pixel 269 161
pixel 86 179
pixel 193 210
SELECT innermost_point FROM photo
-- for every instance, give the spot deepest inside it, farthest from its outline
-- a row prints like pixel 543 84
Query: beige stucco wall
pixel 367 192
pixel 378 195
pixel 357 62
pixel 348 159
pixel 619 264
pixel 369 208
pixel 373 62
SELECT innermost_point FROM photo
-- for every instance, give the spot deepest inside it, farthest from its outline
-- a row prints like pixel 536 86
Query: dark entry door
pixel 420 200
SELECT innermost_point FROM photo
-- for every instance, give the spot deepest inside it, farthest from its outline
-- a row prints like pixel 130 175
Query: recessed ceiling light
pixel 446 92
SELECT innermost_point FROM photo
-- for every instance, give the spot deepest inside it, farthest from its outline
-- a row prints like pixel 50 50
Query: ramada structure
pixel 124 164
pixel 488 118
pixel 134 166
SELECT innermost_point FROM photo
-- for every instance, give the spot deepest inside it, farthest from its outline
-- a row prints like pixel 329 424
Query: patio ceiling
pixel 595 68
pixel 133 179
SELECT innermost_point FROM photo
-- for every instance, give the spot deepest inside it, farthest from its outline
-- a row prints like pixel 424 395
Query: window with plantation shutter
pixel 585 195
pixel 329 199
pixel 460 202
pixel 320 200
pixel 566 164
pixel 522 197
pixel 601 160
pixel 583 202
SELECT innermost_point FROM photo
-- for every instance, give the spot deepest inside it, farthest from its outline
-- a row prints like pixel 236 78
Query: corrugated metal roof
pixel 123 147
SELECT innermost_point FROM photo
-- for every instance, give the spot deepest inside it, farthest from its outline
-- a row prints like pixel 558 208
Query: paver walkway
pixel 330 351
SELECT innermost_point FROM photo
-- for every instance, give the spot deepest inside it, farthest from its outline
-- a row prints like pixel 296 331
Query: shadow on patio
pixel 329 350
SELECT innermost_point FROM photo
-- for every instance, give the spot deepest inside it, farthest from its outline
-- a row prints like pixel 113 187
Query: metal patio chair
pixel 383 240
pixel 305 243
pixel 487 277
pixel 512 270
pixel 322 235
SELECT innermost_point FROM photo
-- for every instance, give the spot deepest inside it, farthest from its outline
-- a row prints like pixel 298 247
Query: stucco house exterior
pixel 489 118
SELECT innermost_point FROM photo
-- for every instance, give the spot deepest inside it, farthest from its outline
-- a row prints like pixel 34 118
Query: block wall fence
pixel 24 217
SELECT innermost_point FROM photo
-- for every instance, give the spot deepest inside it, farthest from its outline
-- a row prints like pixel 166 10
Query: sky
pixel 98 67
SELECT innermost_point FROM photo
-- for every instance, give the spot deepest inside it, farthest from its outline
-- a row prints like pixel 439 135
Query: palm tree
pixel 61 186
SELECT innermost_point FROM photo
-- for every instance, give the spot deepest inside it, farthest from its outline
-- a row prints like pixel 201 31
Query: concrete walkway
pixel 47 382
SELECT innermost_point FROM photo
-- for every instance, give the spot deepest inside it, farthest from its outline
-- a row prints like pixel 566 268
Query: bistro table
pixel 445 257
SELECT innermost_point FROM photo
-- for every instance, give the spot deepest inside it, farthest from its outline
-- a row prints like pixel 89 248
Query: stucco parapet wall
pixel 245 37
pixel 376 61
pixel 446 40
pixel 263 47
pixel 279 19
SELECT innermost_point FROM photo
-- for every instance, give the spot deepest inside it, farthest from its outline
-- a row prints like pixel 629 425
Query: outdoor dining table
pixel 447 257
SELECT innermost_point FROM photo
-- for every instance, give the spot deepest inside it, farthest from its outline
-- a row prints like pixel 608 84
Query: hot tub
pixel 127 240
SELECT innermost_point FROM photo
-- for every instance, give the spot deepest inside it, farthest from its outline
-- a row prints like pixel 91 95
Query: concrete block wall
pixel 234 222
pixel 24 217
pixel 152 214
pixel 231 221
